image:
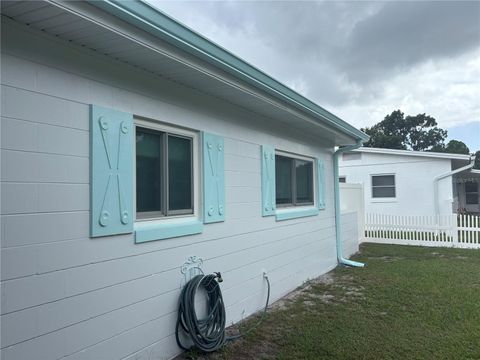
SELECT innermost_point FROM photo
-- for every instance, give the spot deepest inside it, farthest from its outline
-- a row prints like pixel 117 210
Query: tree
pixel 453 147
pixel 387 133
pixel 396 131
pixel 477 160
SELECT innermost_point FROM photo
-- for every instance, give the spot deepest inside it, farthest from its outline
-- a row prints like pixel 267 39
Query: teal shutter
pixel 213 179
pixel 321 184
pixel 111 172
pixel 268 180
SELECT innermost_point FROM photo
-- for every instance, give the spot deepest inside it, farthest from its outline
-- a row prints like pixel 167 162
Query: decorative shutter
pixel 111 172
pixel 321 184
pixel 268 180
pixel 213 179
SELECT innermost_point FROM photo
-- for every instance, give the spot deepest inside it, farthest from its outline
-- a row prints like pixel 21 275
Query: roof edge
pixel 159 24
pixel 430 154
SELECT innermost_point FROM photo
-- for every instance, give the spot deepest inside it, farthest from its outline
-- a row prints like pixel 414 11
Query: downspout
pixel 336 187
pixel 443 176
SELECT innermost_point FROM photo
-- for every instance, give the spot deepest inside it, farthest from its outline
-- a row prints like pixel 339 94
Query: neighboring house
pixel 466 192
pixel 402 182
pixel 132 148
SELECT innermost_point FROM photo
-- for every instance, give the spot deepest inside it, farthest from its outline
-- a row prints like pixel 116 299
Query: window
pixel 383 186
pixel 164 173
pixel 145 177
pixel 342 179
pixel 293 181
pixel 471 193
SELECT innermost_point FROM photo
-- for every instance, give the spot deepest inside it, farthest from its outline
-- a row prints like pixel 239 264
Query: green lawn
pixel 408 303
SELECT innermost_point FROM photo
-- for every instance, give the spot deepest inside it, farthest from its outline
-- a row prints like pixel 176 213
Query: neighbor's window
pixel 293 181
pixel 342 179
pixel 383 186
pixel 471 192
pixel 164 166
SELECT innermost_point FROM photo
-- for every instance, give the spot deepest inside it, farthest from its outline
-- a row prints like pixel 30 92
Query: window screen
pixel 149 171
pixel 471 193
pixel 293 181
pixel 304 181
pixel 179 173
pixel 383 186
pixel 164 184
pixel 283 180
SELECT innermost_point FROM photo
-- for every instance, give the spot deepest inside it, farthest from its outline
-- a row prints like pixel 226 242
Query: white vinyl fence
pixel 350 235
pixel 351 200
pixel 461 231
pixel 469 230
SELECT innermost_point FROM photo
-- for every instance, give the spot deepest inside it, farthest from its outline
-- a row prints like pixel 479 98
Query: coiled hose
pixel 207 334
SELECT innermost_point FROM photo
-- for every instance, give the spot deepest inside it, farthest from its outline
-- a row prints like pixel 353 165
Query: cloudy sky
pixel 360 60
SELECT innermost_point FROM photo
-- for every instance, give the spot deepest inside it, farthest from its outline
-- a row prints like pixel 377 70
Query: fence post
pixel 454 230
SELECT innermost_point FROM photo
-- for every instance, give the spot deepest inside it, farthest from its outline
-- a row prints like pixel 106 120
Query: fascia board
pixel 159 24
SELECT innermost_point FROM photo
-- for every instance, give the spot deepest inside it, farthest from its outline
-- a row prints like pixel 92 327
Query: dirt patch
pixel 310 293
pixel 308 303
pixel 387 258
pixel 326 279
pixel 325 298
pixel 237 349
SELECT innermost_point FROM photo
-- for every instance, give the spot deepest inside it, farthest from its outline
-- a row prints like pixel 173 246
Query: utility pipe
pixel 336 187
pixel 443 176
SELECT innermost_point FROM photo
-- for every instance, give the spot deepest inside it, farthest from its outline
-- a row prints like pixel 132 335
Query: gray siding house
pixel 132 148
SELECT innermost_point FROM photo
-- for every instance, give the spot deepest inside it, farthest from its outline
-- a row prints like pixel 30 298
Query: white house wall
pixel 414 183
pixel 65 295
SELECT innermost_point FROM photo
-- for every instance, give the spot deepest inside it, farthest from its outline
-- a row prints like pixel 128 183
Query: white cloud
pixel 448 90
pixel 420 58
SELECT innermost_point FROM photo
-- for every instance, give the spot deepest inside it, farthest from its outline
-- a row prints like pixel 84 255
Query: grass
pixel 408 303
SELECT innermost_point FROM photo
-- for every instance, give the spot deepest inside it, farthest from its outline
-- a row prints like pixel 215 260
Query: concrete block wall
pixel 68 296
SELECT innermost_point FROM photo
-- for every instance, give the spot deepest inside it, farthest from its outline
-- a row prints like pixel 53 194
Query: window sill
pixel 294 213
pixel 166 229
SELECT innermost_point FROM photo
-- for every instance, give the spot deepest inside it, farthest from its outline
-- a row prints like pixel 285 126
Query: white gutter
pixel 336 187
pixel 443 176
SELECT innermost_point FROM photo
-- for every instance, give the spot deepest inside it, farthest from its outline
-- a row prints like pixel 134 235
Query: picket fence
pixel 462 231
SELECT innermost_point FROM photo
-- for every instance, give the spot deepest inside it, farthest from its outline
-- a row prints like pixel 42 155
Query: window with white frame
pixel 342 179
pixel 383 186
pixel 471 193
pixel 166 171
pixel 294 181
